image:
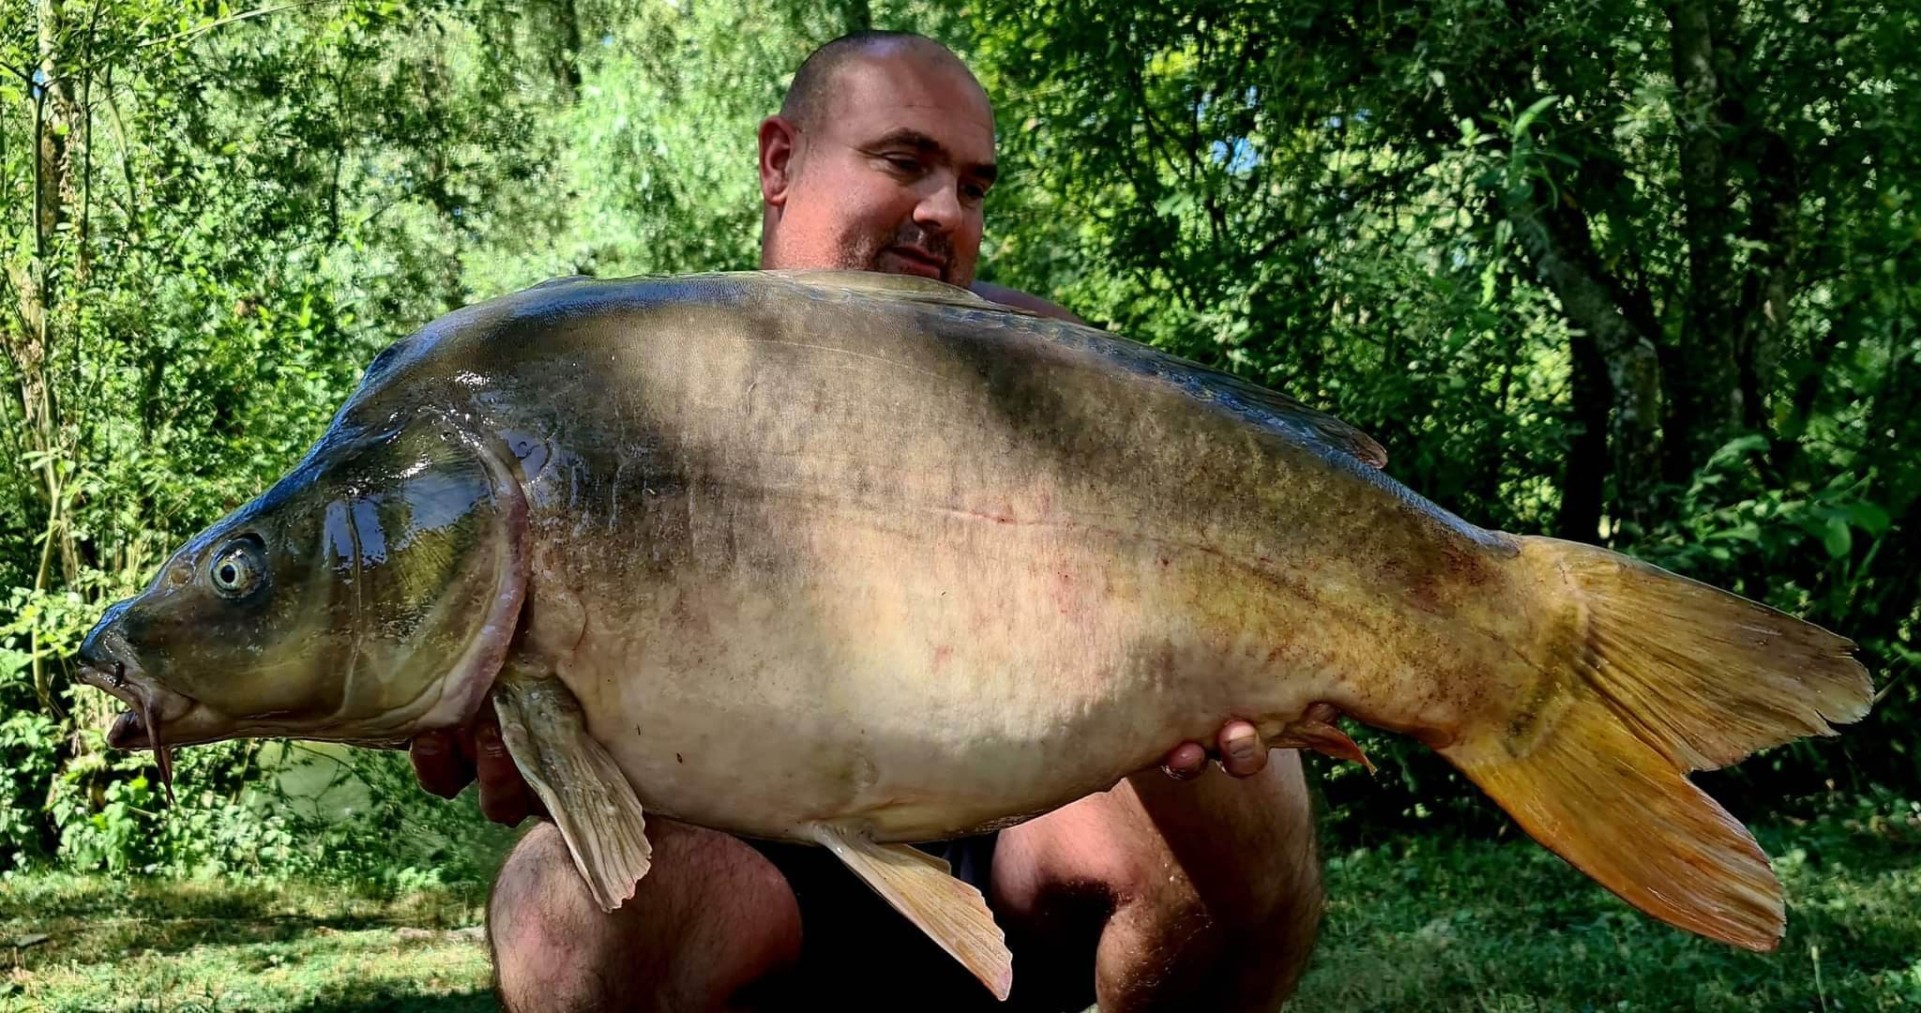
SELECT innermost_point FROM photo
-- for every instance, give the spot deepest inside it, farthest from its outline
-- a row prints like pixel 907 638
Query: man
pixel 1154 895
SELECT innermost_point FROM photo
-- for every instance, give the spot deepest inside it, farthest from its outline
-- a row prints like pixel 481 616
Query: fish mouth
pixel 158 718
pixel 136 729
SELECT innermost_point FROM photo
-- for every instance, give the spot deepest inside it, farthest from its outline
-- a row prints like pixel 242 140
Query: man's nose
pixel 940 209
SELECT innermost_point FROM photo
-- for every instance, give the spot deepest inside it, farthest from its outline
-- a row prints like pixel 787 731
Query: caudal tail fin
pixel 1658 675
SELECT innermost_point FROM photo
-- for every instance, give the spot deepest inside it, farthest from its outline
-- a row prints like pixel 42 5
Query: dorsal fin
pixel 565 279
pixel 1336 432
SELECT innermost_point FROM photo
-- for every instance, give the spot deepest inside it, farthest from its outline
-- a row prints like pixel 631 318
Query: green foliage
pixel 1634 276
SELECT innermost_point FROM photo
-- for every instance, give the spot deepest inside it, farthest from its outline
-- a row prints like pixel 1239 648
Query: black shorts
pixel 845 924
pixel 815 874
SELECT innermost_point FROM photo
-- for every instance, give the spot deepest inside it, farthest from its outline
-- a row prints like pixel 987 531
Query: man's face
pixel 892 176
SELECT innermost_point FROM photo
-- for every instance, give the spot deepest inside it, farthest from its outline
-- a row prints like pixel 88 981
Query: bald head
pixel 879 160
pixel 810 96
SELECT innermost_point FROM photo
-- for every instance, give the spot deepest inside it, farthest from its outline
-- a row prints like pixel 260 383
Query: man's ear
pixel 779 140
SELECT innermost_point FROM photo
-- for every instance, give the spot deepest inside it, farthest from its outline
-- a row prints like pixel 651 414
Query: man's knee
pixel 544 929
pixel 710 918
pixel 1261 891
pixel 1214 895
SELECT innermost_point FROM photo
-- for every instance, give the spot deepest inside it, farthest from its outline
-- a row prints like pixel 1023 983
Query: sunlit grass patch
pixel 149 945
pixel 1452 925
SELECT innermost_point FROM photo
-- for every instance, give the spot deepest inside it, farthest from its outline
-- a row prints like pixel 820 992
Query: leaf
pixel 1838 537
pixel 1868 517
pixel 1749 444
pixel 1532 113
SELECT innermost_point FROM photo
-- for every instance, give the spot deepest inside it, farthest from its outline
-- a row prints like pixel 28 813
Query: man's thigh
pixel 1162 895
pixel 709 921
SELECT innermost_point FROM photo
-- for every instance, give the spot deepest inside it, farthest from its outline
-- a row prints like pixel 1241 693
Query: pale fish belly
pixel 922 674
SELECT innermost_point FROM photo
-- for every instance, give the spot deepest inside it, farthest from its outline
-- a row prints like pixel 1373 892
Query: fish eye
pixel 238 569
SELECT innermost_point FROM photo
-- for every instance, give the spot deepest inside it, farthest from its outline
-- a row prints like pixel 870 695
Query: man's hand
pixel 1238 745
pixel 445 761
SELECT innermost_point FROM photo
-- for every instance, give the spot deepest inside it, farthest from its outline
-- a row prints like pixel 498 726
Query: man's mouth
pixel 915 261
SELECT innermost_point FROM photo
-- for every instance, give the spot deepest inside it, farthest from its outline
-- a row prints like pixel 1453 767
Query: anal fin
pixel 919 886
pixel 584 790
pixel 1316 730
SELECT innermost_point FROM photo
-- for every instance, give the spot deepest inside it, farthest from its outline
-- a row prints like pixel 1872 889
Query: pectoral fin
pixel 919 886
pixel 584 790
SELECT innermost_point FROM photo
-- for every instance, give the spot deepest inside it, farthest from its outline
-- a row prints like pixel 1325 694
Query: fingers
pixel 447 761
pixel 438 763
pixel 503 792
pixel 1185 762
pixel 1242 752
pixel 1238 747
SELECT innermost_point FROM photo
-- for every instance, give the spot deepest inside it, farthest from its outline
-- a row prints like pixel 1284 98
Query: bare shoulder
pixel 1022 300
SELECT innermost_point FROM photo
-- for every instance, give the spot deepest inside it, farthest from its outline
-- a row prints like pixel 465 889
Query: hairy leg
pixel 709 920
pixel 1203 895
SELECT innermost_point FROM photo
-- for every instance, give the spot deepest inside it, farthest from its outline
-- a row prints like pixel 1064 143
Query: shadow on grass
pixel 164 936
pixel 478 1001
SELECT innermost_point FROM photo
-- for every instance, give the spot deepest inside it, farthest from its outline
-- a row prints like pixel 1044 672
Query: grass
pixel 195 947
pixel 1506 927
pixel 1418 925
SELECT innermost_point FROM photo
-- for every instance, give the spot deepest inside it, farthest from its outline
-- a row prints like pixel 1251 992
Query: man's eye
pixel 904 163
pixel 974 193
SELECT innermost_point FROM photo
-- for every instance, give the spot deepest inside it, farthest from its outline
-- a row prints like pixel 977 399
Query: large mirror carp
pixel 861 560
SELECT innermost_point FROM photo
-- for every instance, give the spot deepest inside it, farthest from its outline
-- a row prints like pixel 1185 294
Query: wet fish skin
pixel 987 455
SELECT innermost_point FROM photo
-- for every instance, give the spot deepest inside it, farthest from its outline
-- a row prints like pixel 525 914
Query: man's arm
pixel 1021 300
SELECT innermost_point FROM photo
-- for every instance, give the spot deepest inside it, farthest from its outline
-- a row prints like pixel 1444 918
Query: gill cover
pixel 370 594
pixel 422 547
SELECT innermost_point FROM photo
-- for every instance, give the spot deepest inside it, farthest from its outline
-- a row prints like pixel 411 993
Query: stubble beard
pixel 863 252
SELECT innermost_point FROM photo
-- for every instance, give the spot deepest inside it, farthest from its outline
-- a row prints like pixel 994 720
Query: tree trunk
pixel 564 57
pixel 1705 393
pixel 29 340
pixel 1615 369
pixel 858 16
